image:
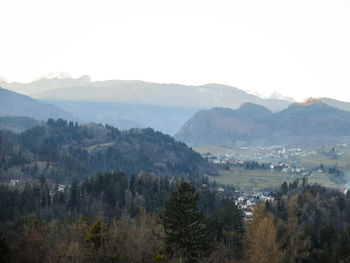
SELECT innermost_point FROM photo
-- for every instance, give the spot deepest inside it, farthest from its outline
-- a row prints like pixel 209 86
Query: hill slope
pixel 314 123
pixel 341 105
pixel 17 124
pixel 14 104
pixel 126 116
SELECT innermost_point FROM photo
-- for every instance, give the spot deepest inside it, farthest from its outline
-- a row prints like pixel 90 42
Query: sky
pixel 298 48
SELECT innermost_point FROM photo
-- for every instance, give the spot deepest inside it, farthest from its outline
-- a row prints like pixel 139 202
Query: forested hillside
pixel 61 150
pixel 17 124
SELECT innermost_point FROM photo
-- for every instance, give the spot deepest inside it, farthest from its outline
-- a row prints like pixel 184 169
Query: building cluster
pixel 248 201
pixel 58 188
pixel 276 158
pixel 13 182
pixel 260 154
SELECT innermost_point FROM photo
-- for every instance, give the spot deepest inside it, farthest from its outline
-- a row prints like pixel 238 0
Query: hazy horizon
pixel 66 75
pixel 298 48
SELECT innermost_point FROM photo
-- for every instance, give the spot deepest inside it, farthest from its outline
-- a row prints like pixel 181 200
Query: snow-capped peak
pixel 52 75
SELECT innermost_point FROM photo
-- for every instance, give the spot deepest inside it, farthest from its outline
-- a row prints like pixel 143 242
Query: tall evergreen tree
pixel 74 193
pixel 187 234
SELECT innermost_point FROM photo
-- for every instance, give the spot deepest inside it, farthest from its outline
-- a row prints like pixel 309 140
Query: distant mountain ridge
pixel 125 116
pixel 342 105
pixel 122 115
pixel 141 92
pixel 15 104
pixel 44 84
pixel 135 103
pixel 312 122
pixel 62 87
pixel 174 95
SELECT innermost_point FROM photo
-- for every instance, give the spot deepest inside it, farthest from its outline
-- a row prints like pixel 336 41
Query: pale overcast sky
pixel 299 48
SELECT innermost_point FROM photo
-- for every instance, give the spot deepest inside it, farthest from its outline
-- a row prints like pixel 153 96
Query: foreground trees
pixel 261 239
pixel 112 221
pixel 186 233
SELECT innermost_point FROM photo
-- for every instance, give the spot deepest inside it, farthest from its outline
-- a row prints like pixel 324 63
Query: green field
pixel 309 161
pixel 257 180
pixel 315 160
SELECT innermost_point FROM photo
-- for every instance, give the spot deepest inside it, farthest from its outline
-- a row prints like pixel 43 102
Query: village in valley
pixel 248 201
pixel 291 164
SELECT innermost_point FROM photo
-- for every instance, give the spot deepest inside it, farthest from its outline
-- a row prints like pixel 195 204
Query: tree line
pixel 102 217
pixel 108 218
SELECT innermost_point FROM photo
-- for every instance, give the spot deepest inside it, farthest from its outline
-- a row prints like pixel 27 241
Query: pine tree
pixel 187 234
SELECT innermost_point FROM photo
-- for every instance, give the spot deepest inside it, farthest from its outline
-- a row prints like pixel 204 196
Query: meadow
pixel 261 180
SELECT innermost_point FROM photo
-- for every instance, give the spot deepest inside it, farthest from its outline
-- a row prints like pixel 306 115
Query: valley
pixel 254 169
pixel 174 131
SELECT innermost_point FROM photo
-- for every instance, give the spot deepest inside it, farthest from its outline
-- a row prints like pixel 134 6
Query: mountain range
pixel 141 92
pixel 128 104
pixel 312 122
